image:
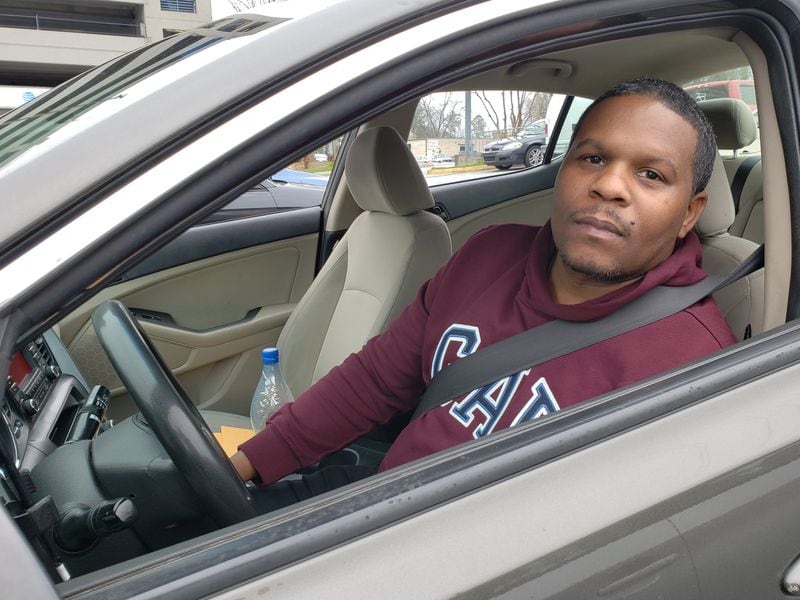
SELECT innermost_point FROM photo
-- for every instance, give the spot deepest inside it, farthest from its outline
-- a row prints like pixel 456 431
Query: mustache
pixel 604 213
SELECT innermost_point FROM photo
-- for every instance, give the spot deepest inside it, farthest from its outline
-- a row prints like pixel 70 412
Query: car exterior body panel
pixel 183 98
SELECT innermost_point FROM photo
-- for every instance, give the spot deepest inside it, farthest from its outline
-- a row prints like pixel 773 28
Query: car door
pixel 611 499
pixel 250 262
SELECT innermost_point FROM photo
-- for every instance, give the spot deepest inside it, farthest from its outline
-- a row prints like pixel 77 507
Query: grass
pixel 317 167
pixel 476 166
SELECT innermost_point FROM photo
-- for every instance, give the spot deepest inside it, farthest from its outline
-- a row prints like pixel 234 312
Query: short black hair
pixel 676 99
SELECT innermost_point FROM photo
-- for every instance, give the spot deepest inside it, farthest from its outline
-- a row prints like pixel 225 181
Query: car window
pixel 577 106
pixel 748 93
pixel 734 83
pixel 301 184
pixel 95 95
pixel 465 135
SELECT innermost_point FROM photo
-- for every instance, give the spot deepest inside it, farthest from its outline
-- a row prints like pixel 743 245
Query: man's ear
pixel 693 212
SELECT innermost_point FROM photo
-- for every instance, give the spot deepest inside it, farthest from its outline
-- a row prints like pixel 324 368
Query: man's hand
pixel 243 466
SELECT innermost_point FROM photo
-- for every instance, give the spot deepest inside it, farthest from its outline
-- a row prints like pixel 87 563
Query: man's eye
pixel 650 174
pixel 593 159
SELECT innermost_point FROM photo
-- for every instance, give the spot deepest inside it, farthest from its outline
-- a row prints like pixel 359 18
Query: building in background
pixel 45 42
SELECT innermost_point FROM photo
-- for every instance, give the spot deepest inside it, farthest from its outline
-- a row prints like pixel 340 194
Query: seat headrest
pixel 732 121
pixel 719 212
pixel 383 175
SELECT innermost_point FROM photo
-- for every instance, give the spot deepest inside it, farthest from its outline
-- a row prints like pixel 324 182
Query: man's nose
pixel 612 184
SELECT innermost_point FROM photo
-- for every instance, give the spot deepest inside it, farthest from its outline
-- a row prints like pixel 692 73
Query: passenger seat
pixel 374 271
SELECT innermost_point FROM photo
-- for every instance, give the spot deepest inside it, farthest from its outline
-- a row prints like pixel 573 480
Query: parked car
pixel 443 161
pixel 294 176
pixel 270 196
pixel 683 485
pixel 527 148
pixel 741 89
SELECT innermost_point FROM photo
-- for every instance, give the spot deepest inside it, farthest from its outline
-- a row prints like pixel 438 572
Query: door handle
pixel 791 580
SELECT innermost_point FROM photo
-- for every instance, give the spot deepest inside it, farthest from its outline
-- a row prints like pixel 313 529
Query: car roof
pixel 184 95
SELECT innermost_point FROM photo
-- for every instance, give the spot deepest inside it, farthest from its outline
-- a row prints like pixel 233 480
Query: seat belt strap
pixel 737 185
pixel 557 338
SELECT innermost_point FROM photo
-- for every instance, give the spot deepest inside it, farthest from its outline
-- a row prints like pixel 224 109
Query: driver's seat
pixel 376 269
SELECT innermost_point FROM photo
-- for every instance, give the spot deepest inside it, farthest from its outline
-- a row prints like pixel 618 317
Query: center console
pixel 46 403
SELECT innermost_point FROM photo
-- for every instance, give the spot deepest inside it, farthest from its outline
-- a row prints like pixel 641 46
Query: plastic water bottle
pixel 271 392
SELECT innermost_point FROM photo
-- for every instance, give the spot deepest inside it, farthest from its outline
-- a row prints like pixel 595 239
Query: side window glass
pixel 734 83
pixel 301 184
pixel 577 107
pixel 465 135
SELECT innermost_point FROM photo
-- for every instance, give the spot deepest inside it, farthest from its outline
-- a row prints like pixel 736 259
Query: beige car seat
pixel 735 128
pixel 374 271
pixel 742 302
pixel 749 220
pixel 388 252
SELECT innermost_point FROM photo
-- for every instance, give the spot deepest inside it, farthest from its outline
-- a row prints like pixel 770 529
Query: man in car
pixel 626 199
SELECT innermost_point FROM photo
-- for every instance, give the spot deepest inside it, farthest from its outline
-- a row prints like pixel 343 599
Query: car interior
pixel 213 297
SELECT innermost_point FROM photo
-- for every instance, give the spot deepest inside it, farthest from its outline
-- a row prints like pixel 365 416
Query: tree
pixel 511 110
pixel 437 116
pixel 479 127
pixel 243 5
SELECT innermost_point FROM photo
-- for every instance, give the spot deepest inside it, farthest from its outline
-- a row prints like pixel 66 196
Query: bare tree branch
pixel 489 108
pixel 243 5
pixel 510 111
pixel 437 117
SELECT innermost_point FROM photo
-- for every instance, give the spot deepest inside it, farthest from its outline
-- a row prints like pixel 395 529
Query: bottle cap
pixel 269 356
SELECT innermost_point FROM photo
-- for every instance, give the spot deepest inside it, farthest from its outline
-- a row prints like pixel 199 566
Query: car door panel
pixel 519 197
pixel 227 233
pixel 211 346
pixel 633 542
pixel 745 527
pixel 631 561
pixel 530 209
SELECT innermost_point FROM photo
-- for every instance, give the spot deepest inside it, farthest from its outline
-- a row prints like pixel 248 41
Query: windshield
pixel 40 119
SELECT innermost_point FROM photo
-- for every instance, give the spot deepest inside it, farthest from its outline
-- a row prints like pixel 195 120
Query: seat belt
pixel 737 185
pixel 557 338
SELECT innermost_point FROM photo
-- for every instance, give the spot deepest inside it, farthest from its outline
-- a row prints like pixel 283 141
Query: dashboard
pixel 44 403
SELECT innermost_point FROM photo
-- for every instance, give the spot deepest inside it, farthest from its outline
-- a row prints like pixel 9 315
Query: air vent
pixel 41 352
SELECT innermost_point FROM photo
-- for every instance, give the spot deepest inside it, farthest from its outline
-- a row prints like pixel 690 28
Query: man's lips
pixel 600 225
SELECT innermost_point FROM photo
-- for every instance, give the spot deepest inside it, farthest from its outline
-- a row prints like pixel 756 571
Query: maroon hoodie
pixel 495 286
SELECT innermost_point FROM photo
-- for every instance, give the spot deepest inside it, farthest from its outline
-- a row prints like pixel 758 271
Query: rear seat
pixel 742 302
pixel 735 129
pixel 749 220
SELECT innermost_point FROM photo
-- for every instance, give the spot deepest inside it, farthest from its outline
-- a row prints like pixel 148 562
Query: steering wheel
pixel 172 416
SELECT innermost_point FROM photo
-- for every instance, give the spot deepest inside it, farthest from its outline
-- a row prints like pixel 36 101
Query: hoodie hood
pixel 683 267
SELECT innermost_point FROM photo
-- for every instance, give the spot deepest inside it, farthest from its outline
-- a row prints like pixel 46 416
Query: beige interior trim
pixel 148 289
pixel 530 209
pixel 214 354
pixel 233 336
pixel 777 225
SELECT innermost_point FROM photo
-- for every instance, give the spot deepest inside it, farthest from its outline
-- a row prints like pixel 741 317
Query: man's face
pixel 624 192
